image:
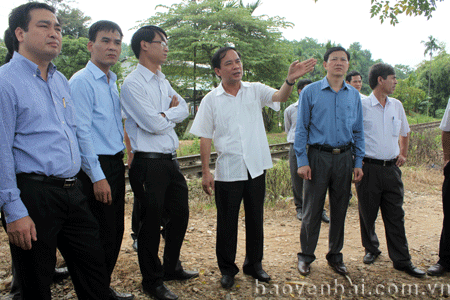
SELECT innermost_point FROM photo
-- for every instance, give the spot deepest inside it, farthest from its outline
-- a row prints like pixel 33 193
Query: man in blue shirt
pixel 39 193
pixel 330 121
pixel 100 136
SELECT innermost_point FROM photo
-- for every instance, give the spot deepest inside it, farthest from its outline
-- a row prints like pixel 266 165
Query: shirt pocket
pixel 396 125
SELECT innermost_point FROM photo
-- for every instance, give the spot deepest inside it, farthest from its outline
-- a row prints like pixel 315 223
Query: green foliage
pixel 73 21
pixel 436 75
pixel 73 57
pixel 409 95
pixel 416 118
pixel 424 147
pixel 3 52
pixel 278 182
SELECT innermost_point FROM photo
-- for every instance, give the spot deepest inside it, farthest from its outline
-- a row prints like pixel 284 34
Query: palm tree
pixel 430 47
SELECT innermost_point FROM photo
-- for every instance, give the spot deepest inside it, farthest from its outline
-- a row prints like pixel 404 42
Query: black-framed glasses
pixel 163 44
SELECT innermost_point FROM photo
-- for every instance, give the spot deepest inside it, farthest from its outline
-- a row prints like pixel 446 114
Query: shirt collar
pixel 147 74
pixel 99 73
pixel 220 89
pixel 374 101
pixel 32 67
pixel 324 85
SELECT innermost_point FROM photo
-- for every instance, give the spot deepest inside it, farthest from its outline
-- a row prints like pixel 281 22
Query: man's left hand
pixel 357 174
pixel 102 191
pixel 400 160
pixel 298 69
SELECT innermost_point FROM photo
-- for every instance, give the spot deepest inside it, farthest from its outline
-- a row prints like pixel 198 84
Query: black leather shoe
pixel 303 267
pixel 60 274
pixel 182 275
pixel 134 245
pixel 324 217
pixel 436 270
pixel 161 292
pixel 227 281
pixel 369 258
pixel 261 275
pixel 338 267
pixel 411 270
pixel 114 295
pixel 299 215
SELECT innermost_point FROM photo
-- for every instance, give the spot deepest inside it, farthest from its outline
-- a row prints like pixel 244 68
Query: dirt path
pixel 378 281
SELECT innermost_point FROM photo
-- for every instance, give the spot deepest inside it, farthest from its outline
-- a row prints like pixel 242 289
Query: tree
pixel 3 52
pixel 430 46
pixel 196 29
pixel 436 74
pixel 73 21
pixel 386 9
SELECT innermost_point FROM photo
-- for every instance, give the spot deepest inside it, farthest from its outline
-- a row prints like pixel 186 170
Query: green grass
pixel 415 118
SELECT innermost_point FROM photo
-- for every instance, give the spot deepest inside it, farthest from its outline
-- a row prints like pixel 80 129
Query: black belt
pixel 169 156
pixel 333 150
pixel 384 163
pixel 118 155
pixel 59 182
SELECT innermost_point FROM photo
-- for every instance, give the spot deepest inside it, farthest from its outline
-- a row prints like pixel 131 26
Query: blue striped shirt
pixel 37 129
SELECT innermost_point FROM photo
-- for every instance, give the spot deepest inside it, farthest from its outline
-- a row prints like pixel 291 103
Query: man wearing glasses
pixel 153 108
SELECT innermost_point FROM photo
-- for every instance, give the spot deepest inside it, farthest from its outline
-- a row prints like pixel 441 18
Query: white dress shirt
pixel 445 123
pixel 144 96
pixel 237 127
pixel 290 121
pixel 382 127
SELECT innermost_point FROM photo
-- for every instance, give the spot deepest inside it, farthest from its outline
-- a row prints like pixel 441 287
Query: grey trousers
pixel 332 172
pixel 382 188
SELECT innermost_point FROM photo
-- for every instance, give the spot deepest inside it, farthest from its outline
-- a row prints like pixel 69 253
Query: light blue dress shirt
pixel 328 118
pixel 37 129
pixel 99 120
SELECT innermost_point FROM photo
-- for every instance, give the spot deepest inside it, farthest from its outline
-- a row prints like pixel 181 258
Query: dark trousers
pixel 297 181
pixel 161 188
pixel 63 219
pixel 382 188
pixel 109 217
pixel 228 197
pixel 332 172
pixel 444 245
pixel 135 218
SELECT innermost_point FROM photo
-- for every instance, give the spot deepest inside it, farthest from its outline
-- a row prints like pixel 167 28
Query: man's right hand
pixel 304 172
pixel 174 102
pixel 21 232
pixel 208 183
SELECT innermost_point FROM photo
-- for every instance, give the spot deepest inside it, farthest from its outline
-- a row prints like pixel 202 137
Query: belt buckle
pixel 69 182
pixel 336 151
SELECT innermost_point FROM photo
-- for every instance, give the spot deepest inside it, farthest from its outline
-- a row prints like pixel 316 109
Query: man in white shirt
pixel 355 80
pixel 385 127
pixel 290 122
pixel 152 109
pixel 443 265
pixel 231 114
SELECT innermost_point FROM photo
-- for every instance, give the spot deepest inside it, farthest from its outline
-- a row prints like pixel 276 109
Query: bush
pixel 425 148
pixel 278 182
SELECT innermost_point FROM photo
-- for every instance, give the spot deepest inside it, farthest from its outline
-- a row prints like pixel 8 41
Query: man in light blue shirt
pixel 330 122
pixel 100 136
pixel 39 193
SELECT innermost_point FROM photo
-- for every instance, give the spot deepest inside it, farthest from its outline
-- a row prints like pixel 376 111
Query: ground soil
pixel 423 224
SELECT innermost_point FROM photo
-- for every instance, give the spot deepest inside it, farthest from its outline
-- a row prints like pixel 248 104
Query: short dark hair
pixel 103 25
pixel 350 74
pixel 302 83
pixel 9 41
pixel 217 57
pixel 335 49
pixel 377 70
pixel 20 17
pixel 146 33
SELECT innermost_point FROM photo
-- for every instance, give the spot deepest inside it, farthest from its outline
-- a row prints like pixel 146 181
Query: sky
pixel 339 21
